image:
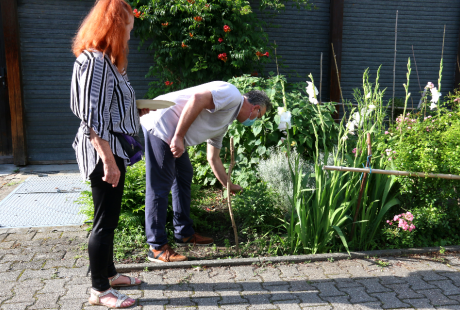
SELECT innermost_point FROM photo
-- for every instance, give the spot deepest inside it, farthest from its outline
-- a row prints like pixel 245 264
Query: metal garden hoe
pixel 229 195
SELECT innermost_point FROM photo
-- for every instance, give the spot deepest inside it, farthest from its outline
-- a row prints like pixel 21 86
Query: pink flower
pixel 403 224
pixel 396 217
pixel 354 151
pixel 411 227
pixel 409 216
pixel 429 85
pixel 429 116
pixel 227 28
pixel 432 121
pixel 457 100
pixel 409 127
pixel 394 152
pixel 425 118
pixel 397 128
pixel 389 159
pixel 386 132
pixel 220 40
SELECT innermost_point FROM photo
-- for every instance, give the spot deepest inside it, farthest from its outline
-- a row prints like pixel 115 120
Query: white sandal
pixel 120 298
pixel 131 280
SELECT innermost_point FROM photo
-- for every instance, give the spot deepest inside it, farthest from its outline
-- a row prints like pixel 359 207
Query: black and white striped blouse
pixel 104 100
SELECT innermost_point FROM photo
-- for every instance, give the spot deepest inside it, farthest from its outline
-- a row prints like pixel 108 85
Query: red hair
pixel 103 29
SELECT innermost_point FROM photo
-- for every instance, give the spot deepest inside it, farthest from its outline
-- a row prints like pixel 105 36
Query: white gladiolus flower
pixel 433 106
pixel 368 95
pixel 429 85
pixel 357 118
pixel 285 119
pixel 312 91
pixel 372 107
pixel 351 127
pixel 313 100
pixel 344 138
pixel 435 95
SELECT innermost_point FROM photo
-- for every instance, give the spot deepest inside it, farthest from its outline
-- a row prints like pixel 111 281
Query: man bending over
pixel 201 113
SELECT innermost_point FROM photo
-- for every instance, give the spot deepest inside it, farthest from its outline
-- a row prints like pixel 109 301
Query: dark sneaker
pixel 195 239
pixel 165 255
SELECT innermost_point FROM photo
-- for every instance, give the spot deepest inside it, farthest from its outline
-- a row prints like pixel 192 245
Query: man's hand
pixel 111 173
pixel 235 188
pixel 177 146
pixel 143 112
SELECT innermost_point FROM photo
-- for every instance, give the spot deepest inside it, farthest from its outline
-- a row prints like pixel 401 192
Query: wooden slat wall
pixel 46 31
pixel 301 37
pixel 368 41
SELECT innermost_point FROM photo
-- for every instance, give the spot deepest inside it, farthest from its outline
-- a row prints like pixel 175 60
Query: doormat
pixel 44 201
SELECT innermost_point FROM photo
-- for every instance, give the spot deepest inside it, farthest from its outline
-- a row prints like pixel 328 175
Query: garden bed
pixel 211 218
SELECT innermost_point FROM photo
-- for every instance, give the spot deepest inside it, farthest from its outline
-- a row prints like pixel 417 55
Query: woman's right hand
pixel 111 173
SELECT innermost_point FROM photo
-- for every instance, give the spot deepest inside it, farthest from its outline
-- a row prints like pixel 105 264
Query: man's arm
pixel 197 103
pixel 218 168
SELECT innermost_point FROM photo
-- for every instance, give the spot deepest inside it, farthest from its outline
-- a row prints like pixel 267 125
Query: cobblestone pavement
pixel 47 268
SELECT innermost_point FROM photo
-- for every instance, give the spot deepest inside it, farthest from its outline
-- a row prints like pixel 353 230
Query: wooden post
pixel 363 183
pixel 394 71
pixel 229 194
pixel 13 67
pixel 457 67
pixel 336 31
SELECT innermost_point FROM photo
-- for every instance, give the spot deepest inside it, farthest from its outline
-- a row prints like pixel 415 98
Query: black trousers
pixel 107 206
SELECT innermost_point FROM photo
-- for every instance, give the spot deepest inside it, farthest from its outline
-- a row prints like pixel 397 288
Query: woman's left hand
pixel 144 111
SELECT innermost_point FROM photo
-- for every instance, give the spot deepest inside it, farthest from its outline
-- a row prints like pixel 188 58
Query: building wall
pixel 369 41
pixel 48 26
pixel 301 37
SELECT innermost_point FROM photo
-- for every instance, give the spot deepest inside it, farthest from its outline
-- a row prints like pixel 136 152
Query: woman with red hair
pixel 103 99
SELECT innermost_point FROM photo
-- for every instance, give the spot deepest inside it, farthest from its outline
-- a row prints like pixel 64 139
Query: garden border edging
pixel 281 259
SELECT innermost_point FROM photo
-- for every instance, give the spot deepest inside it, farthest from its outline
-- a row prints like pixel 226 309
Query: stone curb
pixel 281 259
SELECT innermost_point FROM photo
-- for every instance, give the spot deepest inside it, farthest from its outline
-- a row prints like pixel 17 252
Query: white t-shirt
pixel 209 126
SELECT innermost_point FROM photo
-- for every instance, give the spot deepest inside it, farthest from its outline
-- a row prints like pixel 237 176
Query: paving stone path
pixel 46 268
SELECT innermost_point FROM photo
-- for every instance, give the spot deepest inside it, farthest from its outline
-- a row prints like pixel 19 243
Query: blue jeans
pixel 164 173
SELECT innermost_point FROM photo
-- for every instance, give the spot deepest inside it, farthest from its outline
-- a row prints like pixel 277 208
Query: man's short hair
pixel 257 97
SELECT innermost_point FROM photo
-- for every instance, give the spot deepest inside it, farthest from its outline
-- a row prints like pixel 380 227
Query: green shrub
pixel 254 143
pixel 197 41
pixel 429 144
pixel 435 226
pixel 256 209
pixel 427 141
